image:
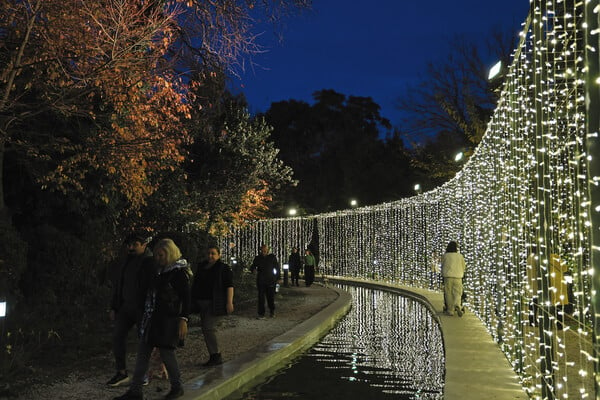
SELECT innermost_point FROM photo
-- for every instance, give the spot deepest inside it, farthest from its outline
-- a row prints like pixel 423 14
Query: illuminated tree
pixel 114 66
pixel 98 62
pixel 234 169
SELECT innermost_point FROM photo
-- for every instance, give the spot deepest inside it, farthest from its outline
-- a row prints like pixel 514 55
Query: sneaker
pixel 118 379
pixel 146 380
pixel 174 393
pixel 260 317
pixel 459 311
pixel 130 396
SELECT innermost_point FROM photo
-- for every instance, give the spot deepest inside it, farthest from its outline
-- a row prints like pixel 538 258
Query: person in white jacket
pixel 453 270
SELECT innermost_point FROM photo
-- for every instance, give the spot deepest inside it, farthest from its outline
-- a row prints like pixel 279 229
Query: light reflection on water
pixel 388 346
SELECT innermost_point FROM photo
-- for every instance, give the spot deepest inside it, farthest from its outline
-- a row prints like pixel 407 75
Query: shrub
pixel 13 262
pixel 61 297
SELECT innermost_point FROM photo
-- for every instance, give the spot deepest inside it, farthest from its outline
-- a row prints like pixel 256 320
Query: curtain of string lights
pixel 524 210
pixel 281 235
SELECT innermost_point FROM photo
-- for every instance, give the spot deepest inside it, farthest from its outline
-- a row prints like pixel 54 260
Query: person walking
pixel 295 264
pixel 164 323
pixel 268 274
pixel 453 270
pixel 309 267
pixel 127 301
pixel 212 297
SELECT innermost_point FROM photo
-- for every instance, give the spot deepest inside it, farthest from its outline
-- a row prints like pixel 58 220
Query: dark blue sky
pixel 372 49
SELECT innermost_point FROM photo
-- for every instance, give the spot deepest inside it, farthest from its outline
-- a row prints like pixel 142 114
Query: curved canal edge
pixel 476 368
pixel 218 383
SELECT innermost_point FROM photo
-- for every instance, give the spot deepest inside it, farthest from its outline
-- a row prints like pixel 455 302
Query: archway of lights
pixel 524 210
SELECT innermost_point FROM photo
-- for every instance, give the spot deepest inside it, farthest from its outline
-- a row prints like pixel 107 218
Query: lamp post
pixel 418 188
pixel 286 268
pixel 2 316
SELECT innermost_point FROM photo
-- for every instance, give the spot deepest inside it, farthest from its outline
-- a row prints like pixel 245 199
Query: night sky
pixel 373 49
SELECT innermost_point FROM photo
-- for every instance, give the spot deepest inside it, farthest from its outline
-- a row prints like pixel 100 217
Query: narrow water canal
pixel 387 347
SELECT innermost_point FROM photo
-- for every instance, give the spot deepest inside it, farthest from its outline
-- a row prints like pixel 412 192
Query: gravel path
pixel 237 333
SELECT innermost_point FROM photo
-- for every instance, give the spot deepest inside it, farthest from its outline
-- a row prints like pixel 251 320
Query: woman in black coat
pixel 164 324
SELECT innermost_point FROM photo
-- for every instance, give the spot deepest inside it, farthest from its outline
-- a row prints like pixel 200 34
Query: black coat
pixel 295 262
pixel 212 284
pixel 168 301
pixel 267 269
pixel 143 268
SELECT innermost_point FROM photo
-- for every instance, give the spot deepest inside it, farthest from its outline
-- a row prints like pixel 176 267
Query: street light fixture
pixel 292 211
pixel 459 156
pixel 353 203
pixel 286 268
pixel 418 188
pixel 495 70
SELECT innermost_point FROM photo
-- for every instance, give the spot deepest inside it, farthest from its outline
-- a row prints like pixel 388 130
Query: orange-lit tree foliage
pixel 102 61
pixel 117 65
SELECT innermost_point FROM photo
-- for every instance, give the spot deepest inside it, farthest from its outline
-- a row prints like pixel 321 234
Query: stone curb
pixel 220 382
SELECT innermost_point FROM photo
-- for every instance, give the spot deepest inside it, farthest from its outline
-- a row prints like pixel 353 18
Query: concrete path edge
pixel 220 382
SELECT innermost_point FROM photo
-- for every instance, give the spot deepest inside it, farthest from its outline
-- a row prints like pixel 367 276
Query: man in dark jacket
pixel 268 275
pixel 295 264
pixel 212 297
pixel 127 303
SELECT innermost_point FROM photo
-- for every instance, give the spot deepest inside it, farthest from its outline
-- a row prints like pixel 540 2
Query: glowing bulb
pixel 495 70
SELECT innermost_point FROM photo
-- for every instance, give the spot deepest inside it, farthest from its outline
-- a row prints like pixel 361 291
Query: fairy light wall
pixel 524 210
pixel 281 235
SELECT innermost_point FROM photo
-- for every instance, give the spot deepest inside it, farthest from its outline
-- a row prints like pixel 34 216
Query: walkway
pixel 475 366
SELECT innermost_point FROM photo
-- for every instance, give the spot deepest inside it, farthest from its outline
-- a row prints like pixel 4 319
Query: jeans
pixel 143 361
pixel 208 322
pixel 124 321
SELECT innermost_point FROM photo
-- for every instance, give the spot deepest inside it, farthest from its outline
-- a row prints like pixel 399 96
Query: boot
pixel 215 359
